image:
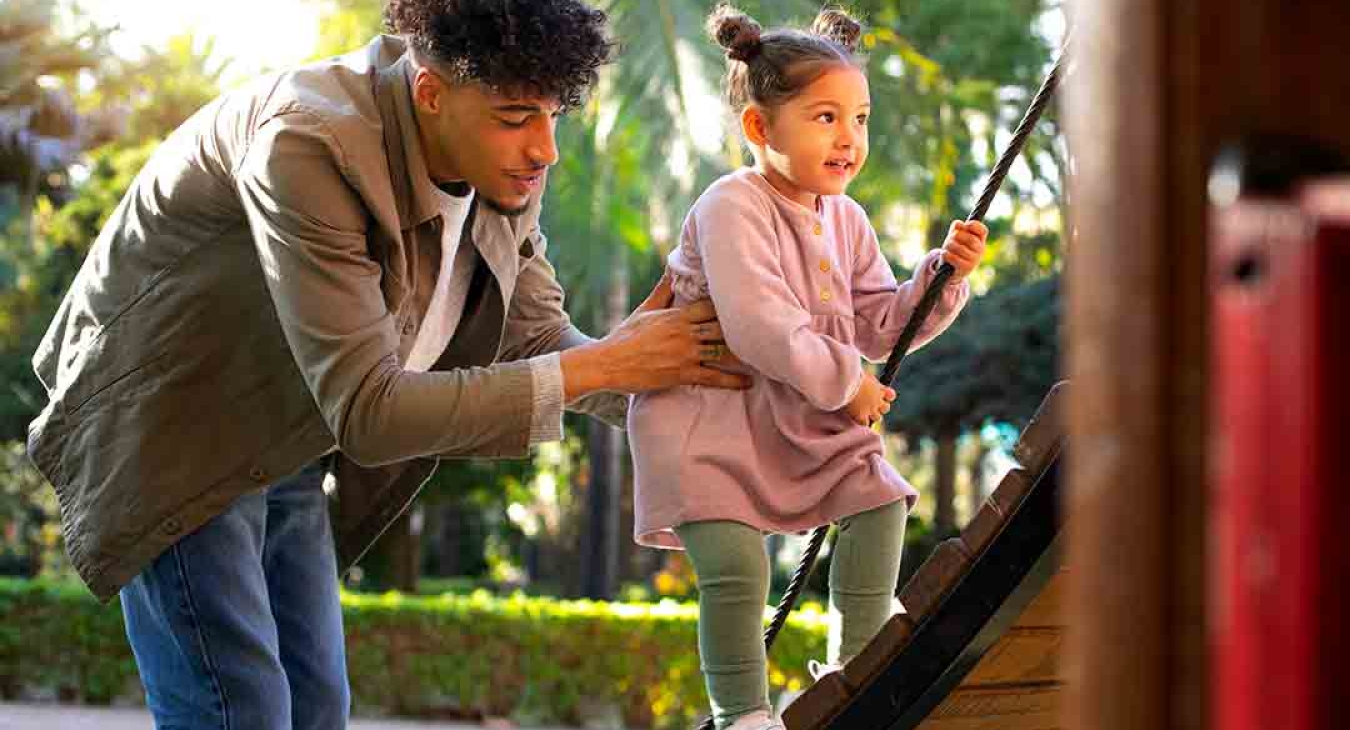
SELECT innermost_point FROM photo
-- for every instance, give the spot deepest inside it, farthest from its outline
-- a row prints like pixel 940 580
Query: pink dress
pixel 800 295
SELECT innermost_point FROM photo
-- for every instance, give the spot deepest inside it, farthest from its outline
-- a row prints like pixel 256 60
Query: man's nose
pixel 543 147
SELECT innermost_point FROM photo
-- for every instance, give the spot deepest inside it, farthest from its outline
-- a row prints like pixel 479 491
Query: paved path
pixel 65 717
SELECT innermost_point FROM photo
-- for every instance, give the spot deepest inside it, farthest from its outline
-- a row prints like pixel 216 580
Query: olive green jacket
pixel 246 311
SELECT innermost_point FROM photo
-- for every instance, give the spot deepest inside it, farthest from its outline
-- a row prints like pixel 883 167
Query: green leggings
pixel 733 581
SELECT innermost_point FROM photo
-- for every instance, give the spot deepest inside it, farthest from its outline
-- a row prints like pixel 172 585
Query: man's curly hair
pixel 549 48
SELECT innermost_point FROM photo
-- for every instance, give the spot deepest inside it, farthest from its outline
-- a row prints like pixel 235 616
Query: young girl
pixel 801 290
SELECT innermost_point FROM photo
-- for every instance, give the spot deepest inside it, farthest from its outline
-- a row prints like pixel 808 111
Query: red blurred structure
pixel 1280 566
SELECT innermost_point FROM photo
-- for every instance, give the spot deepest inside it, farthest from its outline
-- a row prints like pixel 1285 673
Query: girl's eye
pixel 862 119
pixel 827 117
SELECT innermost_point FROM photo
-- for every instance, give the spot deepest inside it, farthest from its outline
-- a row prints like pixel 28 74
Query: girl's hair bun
pixel 838 26
pixel 736 32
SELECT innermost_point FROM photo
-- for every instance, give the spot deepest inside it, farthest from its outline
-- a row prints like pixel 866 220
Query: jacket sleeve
pixel 310 230
pixel 764 322
pixel 538 326
pixel 881 307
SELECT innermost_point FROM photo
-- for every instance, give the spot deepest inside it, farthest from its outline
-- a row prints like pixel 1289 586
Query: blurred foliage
pixel 533 660
pixel 41 269
pixel 30 534
pixel 994 365
pixel 153 93
pixel 948 78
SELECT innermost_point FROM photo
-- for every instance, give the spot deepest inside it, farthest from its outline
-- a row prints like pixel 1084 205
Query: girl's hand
pixel 964 246
pixel 872 401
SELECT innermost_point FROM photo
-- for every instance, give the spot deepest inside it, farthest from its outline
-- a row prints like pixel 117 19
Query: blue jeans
pixel 238 625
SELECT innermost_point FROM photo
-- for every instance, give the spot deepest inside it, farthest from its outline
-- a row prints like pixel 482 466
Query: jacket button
pixel 817 229
pixel 257 474
pixel 171 526
pixel 824 265
pixel 824 295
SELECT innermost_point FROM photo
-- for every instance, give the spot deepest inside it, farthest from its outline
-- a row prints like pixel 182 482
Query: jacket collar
pixel 403 145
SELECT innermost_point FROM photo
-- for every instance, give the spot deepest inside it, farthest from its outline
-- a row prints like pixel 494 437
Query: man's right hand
pixel 655 347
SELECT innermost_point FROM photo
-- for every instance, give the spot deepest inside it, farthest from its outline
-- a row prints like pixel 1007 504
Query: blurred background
pixel 88 90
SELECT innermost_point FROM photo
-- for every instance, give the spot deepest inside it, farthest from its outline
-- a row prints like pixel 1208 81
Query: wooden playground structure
pixel 1179 569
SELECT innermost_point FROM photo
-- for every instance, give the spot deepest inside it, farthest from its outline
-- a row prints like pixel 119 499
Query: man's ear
pixel 426 89
pixel 755 125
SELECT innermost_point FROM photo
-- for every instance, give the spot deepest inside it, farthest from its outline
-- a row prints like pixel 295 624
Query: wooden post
pixel 1156 89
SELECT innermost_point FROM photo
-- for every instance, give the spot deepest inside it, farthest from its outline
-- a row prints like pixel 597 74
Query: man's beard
pixel 500 209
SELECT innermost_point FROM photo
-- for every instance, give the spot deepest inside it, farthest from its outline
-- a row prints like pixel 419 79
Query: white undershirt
pixel 452 285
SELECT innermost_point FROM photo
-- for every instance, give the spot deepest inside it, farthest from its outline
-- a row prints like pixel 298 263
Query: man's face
pixel 501 145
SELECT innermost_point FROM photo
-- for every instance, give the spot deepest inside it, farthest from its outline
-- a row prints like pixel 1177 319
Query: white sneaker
pixel 819 669
pixel 757 720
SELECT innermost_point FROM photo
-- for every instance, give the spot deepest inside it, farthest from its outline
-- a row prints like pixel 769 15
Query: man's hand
pixel 655 347
pixel 872 401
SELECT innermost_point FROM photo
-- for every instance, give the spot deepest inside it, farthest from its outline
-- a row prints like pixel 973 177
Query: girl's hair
pixel 771 68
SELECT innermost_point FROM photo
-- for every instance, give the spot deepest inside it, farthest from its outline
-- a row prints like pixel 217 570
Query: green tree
pixel 956 75
pixel 993 365
pixel 348 25
pixel 159 89
pixel 40 131
pixel 139 101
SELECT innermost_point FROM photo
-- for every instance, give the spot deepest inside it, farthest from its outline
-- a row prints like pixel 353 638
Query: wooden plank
pixel 1047 609
pixel 1021 656
pixel 1040 441
pixel 938 575
pixel 1036 721
pixel 1000 504
pixel 984 526
pixel 892 637
pixel 1033 708
pixel 818 704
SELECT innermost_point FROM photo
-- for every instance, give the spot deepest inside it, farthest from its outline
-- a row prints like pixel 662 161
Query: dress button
pixel 257 474
pixel 824 265
pixel 824 295
pixel 817 229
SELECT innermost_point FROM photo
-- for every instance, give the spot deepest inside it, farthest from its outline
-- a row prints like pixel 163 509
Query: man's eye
pixel 515 123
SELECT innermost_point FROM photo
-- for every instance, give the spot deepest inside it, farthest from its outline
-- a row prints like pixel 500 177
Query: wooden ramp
pixel 978 647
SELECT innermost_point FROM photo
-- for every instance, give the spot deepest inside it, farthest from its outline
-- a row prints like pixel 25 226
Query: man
pixel 323 282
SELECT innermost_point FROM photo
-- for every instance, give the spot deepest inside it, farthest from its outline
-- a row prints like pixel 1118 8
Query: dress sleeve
pixel 882 307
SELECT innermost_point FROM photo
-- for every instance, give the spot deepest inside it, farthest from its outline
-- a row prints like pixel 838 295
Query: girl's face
pixel 816 143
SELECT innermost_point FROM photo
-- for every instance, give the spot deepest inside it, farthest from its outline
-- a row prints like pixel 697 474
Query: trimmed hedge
pixel 536 660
